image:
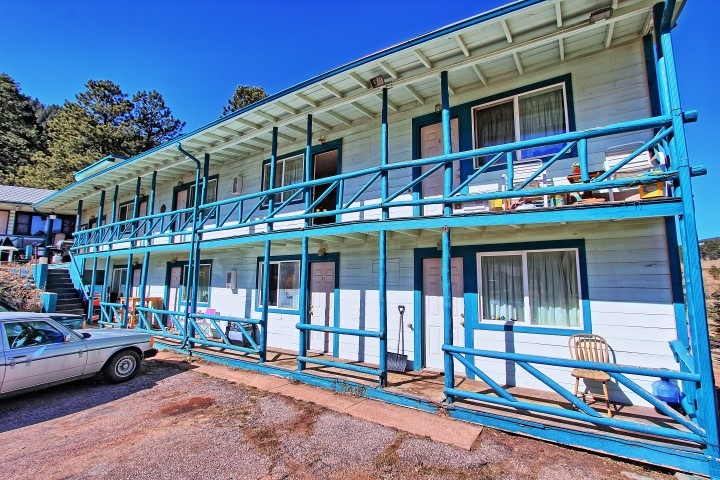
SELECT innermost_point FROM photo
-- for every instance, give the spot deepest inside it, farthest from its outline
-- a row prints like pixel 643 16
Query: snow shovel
pixel 395 361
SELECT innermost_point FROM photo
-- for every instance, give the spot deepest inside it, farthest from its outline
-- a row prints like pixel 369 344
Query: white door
pixel 433 311
pixel 322 304
pixel 431 139
pixel 118 283
pixel 142 211
pixel 4 216
pixel 173 300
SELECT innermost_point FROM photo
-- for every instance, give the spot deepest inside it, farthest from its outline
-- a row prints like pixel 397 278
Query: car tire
pixel 122 366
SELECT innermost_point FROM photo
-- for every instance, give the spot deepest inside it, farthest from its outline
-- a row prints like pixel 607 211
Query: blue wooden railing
pixel 251 210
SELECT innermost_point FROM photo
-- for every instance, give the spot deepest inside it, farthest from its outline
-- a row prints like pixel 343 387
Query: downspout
pixel 93 275
pixel 193 240
pixel 201 198
pixel 108 262
pixel 129 273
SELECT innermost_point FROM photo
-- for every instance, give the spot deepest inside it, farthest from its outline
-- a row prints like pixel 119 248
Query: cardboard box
pixel 652 190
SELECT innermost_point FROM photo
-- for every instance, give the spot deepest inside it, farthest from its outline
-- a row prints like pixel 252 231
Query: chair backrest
pixel 589 347
pixel 523 171
pixel 618 153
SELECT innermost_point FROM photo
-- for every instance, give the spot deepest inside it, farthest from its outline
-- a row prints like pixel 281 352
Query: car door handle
pixel 13 360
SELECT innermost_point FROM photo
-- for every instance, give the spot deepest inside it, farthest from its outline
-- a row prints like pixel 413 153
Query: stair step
pixel 62 290
pixel 68 308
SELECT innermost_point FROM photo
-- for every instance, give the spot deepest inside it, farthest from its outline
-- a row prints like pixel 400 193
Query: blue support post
pixel 93 275
pixel 446 268
pixel 266 259
pixel 129 273
pixel 583 158
pixel 188 331
pixel 304 265
pixel 108 263
pixel 509 157
pixel 382 260
pixel 146 256
pixel 699 335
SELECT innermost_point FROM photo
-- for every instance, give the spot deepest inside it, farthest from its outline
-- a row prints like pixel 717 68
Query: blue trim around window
pixel 312 258
pixel 471 297
pixel 315 150
pixel 182 264
pixel 463 113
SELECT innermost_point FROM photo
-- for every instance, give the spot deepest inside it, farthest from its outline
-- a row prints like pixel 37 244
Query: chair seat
pixel 590 374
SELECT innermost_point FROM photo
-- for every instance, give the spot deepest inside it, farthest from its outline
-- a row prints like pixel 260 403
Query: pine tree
pixel 244 95
pixel 19 132
pixel 102 121
pixel 153 121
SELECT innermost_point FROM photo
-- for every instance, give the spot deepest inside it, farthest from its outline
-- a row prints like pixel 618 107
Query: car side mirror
pixel 86 335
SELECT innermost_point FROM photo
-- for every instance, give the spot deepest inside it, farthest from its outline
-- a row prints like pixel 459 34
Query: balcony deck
pixel 424 389
pixel 577 212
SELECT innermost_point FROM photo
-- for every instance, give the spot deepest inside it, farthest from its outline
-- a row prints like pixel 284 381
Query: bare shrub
pixel 18 289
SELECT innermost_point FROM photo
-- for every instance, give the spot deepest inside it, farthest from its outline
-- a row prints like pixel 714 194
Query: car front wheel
pixel 122 367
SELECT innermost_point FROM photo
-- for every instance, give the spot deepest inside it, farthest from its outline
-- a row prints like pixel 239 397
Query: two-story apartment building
pixel 461 206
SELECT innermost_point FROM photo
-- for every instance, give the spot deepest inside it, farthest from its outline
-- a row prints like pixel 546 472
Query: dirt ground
pixel 173 423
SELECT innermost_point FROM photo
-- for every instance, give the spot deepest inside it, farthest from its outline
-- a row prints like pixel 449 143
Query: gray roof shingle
pixel 22 195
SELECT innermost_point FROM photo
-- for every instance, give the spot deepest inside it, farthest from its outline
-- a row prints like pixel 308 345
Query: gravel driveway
pixel 172 423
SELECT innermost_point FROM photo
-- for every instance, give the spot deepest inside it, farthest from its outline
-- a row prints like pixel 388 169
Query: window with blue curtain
pixel 526 116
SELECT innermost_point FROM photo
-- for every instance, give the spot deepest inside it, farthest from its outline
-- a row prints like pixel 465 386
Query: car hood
pixel 102 333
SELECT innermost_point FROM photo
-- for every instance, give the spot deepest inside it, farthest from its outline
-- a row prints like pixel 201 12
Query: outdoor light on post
pixel 601 14
pixel 377 82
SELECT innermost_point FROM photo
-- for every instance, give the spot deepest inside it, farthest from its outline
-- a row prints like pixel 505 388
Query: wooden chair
pixel 590 348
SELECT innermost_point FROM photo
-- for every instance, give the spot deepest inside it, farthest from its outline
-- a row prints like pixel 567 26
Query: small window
pixel 288 171
pixel 31 334
pixel 537 288
pixel 211 191
pixel 284 289
pixel 536 114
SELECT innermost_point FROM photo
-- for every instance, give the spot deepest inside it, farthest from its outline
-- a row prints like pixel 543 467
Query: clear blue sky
pixel 195 53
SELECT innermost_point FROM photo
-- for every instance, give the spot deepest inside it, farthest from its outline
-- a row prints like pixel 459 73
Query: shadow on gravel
pixel 55 402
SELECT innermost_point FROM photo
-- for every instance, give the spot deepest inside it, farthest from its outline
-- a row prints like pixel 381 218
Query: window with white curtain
pixel 532 287
pixel 526 116
pixel 288 171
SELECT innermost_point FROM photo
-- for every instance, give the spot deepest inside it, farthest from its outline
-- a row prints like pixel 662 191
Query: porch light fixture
pixel 377 82
pixel 601 14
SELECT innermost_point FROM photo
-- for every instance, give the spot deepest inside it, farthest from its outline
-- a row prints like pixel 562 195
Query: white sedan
pixel 37 352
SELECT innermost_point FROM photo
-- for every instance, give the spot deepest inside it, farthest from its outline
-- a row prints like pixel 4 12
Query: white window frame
pixel 516 116
pixel 208 189
pixel 258 302
pixel 526 286
pixel 281 165
pixel 184 280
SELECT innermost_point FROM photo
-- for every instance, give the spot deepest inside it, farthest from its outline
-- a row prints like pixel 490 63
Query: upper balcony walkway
pixel 396 188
